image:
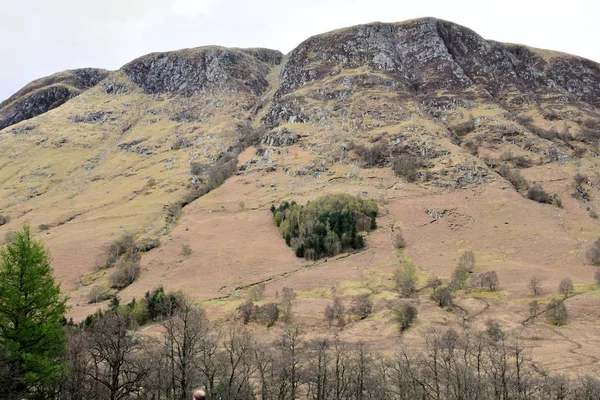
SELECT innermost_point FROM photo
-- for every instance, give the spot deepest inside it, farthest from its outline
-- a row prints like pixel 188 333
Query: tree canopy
pixel 326 226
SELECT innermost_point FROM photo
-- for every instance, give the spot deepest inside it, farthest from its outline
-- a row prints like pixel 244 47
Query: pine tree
pixel 31 315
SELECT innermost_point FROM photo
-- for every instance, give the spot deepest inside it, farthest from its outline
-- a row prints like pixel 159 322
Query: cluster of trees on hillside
pixel 326 226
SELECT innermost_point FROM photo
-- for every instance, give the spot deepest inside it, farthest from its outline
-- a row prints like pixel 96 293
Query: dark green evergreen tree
pixel 31 316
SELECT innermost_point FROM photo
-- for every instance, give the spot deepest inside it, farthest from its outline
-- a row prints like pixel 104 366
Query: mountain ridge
pixel 464 143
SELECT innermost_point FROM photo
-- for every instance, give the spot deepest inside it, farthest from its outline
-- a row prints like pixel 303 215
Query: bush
pixel 593 254
pixel 514 177
pixel 443 296
pixel 434 283
pixel 406 280
pixel 362 306
pixel 376 155
pixel 97 294
pixel 551 116
pixel 4 219
pixel 463 128
pixel 494 330
pixel 472 148
pixel 407 166
pixel 126 273
pixel 489 280
pixel 399 241
pixel 267 314
pixel 405 315
pixel 44 227
pixel 579 179
pixel 537 193
pixel 326 226
pixel 123 247
pixel 186 250
pixel 245 311
pixel 556 313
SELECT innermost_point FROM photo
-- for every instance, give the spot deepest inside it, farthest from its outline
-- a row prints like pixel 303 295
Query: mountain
pixel 465 144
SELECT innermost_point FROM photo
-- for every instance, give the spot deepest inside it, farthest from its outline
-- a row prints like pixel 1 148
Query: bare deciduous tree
pixel 566 287
pixel 535 284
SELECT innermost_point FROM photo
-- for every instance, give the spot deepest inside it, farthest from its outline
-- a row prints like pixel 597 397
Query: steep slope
pixel 334 115
pixel 47 93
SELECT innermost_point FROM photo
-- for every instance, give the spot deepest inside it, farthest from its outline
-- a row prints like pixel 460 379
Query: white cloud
pixel 41 37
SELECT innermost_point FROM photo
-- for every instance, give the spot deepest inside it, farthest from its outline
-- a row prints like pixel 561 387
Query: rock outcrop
pixel 47 93
pixel 423 56
pixel 191 71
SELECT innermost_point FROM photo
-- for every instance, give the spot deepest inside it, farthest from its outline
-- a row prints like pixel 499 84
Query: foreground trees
pixel 31 318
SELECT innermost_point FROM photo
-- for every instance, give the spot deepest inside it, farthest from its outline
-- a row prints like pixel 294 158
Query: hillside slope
pixel 478 123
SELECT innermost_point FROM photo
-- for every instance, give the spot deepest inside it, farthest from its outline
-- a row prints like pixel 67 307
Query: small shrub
pixel 245 311
pixel 593 253
pixel 147 244
pixel 494 330
pixel 551 116
pixel 463 128
pixel 150 182
pixel 489 280
pixel 405 316
pixel 434 283
pixel 257 292
pixel 580 179
pixel 376 155
pixel 534 309
pixel 556 313
pixel 127 271
pixel 44 227
pixel 338 308
pixel 566 288
pixel 4 219
pixel 124 247
pixel 406 280
pixel 98 293
pixel 177 143
pixel 472 148
pixel 399 241
pixel 186 250
pixel 537 193
pixel 407 166
pixel 197 168
pixel 329 315
pixel 514 177
pixel 443 296
pixel 362 306
pixel 267 314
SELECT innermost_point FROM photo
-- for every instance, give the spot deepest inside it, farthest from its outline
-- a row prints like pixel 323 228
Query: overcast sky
pixel 40 37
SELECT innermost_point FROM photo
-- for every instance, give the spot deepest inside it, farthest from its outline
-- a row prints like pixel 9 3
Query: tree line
pixel 42 356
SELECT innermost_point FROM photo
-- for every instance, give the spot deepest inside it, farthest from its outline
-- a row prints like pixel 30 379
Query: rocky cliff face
pixel 47 93
pixel 191 71
pixel 424 56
